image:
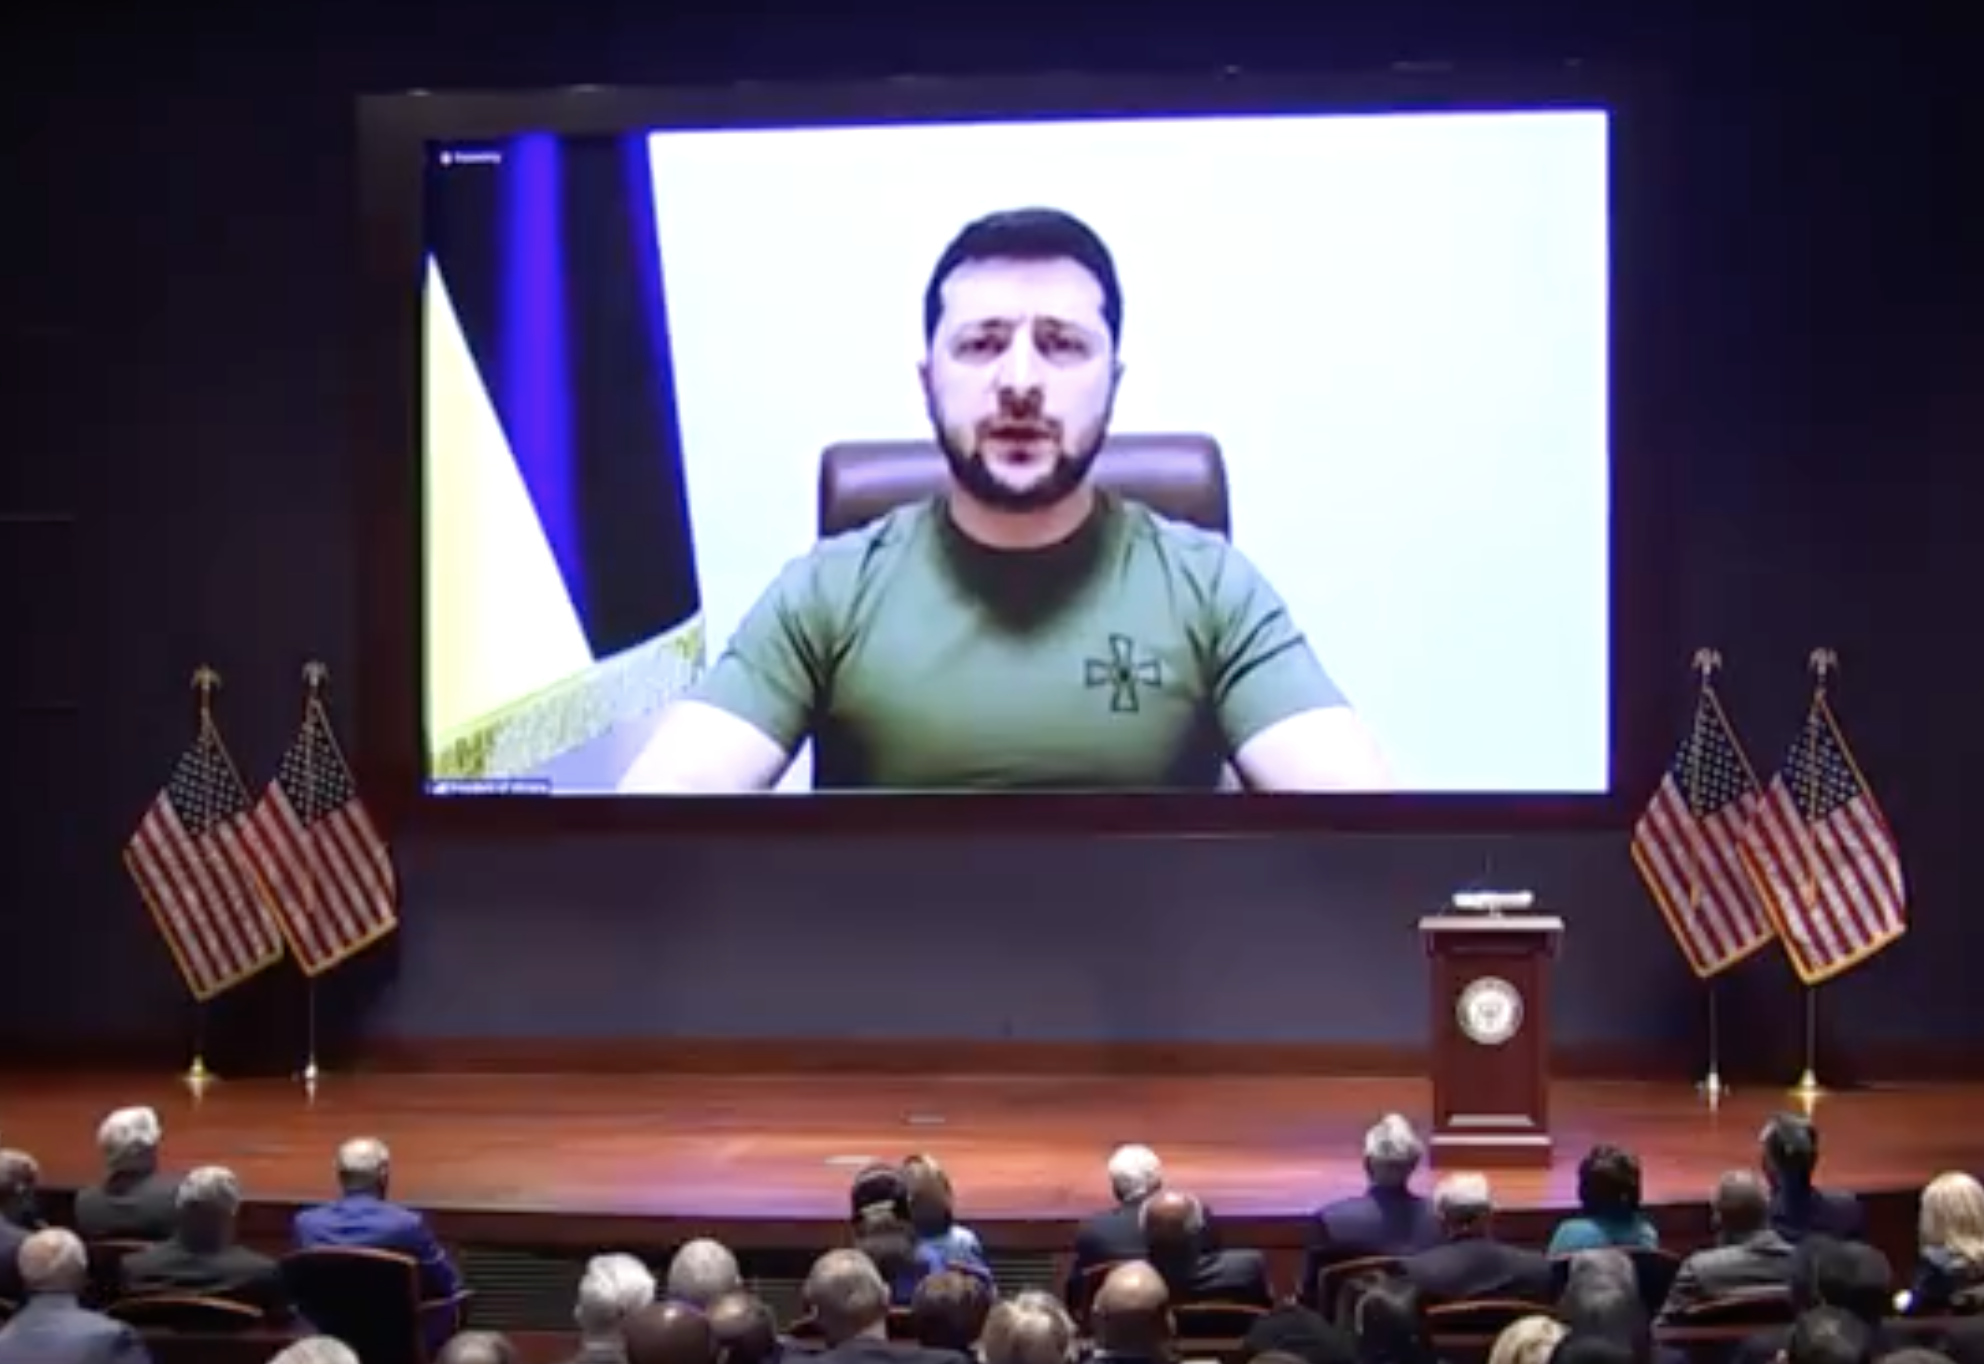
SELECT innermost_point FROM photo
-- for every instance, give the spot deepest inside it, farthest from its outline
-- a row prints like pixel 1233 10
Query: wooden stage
pixel 571 1160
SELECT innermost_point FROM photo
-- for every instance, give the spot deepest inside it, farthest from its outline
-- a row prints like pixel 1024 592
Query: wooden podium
pixel 1491 1037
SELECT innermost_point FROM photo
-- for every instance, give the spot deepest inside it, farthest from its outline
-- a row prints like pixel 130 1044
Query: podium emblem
pixel 1489 1011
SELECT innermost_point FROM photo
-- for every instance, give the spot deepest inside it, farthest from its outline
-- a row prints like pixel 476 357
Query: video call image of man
pixel 1023 629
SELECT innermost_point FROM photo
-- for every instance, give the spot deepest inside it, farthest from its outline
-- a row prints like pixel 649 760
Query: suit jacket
pixel 235 1273
pixel 1756 1262
pixel 1105 1238
pixel 867 1350
pixel 11 1288
pixel 129 1208
pixel 52 1328
pixel 369 1223
pixel 1818 1212
pixel 1478 1267
pixel 1220 1276
pixel 1385 1220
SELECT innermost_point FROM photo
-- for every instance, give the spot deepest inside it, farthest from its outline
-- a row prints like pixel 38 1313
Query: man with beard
pixel 1024 629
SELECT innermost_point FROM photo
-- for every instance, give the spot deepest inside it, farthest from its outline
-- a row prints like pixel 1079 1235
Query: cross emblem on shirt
pixel 1124 673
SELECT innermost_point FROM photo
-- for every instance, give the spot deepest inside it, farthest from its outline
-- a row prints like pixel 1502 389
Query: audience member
pixel 613 1288
pixel 1471 1263
pixel 202 1255
pixel 1388 1218
pixel 1301 1334
pixel 52 1327
pixel 1951 1235
pixel 1527 1340
pixel 18 1176
pixel 745 1329
pixel 1030 1327
pixel 1749 1254
pixel 1608 1206
pixel 883 1232
pixel 1850 1276
pixel 849 1299
pixel 317 1350
pixel 948 1310
pixel 479 1347
pixel 1789 1153
pixel 363 1216
pixel 1176 1245
pixel 1391 1325
pixel 1603 1303
pixel 1828 1335
pixel 1130 1318
pixel 1115 1236
pixel 134 1202
pixel 668 1332
pixel 933 1213
pixel 702 1271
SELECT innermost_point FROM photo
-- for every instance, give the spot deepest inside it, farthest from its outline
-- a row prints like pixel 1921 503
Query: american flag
pixel 188 860
pixel 326 867
pixel 1688 846
pixel 1822 853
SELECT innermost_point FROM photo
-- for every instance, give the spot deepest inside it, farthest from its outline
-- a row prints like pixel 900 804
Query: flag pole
pixel 1822 661
pixel 1706 662
pixel 197 1075
pixel 314 673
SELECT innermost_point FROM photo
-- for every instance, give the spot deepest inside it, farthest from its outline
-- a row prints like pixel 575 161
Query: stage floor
pixel 1020 1150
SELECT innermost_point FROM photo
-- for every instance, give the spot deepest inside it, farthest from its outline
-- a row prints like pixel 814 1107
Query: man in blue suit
pixel 363 1217
pixel 1388 1218
pixel 52 1327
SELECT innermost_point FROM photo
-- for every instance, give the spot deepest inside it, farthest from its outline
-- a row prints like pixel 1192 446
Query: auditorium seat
pixel 370 1299
pixel 1216 1320
pixel 214 1347
pixel 1331 1280
pixel 1484 1316
pixel 107 1268
pixel 184 1312
pixel 1757 1308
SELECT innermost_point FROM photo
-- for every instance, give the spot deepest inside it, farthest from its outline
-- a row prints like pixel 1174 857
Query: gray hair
pixel 1030 1327
pixel 702 1271
pixel 1392 1151
pixel 19 1173
pixel 129 1138
pixel 317 1350
pixel 1135 1172
pixel 54 1261
pixel 613 1288
pixel 362 1164
pixel 1607 1264
pixel 1742 1202
pixel 846 1294
pixel 1463 1198
pixel 213 1187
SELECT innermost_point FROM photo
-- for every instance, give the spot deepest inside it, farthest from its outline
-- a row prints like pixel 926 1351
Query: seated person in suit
pixel 884 1233
pixel 1608 1206
pixel 1789 1154
pixel 1301 1334
pixel 701 1271
pixel 746 1330
pixel 19 1175
pixel 933 1212
pixel 1116 1235
pixel 1031 1327
pixel 1391 1324
pixel 1130 1320
pixel 202 1256
pixel 1749 1255
pixel 612 1289
pixel 1851 1276
pixel 1176 1246
pixel 1951 1237
pixel 1388 1218
pixel 1607 1303
pixel 362 1216
pixel 53 1327
pixel 847 1295
pixel 949 1309
pixel 1471 1263
pixel 1022 629
pixel 134 1202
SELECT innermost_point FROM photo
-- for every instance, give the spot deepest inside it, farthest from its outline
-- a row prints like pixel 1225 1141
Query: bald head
pixel 669 1333
pixel 54 1261
pixel 746 1330
pixel 1131 1313
pixel 1173 1223
pixel 478 1347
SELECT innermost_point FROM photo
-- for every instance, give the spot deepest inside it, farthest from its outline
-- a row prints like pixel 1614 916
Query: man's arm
pixel 737 729
pixel 1289 726
pixel 437 1272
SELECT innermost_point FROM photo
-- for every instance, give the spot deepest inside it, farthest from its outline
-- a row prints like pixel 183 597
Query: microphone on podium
pixel 1492 902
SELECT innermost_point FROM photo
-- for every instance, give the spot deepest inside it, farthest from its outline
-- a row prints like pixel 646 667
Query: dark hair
pixel 1300 1334
pixel 1391 1324
pixel 948 1311
pixel 1791 1149
pixel 1591 1347
pixel 1609 1182
pixel 1031 234
pixel 1849 1275
pixel 1826 1335
pixel 932 1204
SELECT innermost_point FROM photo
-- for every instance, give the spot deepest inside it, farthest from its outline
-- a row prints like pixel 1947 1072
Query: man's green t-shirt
pixel 1140 653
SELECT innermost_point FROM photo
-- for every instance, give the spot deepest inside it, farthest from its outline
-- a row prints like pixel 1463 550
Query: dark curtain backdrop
pixel 1809 266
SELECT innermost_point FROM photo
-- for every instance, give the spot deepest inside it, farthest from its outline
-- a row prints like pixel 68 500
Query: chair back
pixel 186 1312
pixel 1332 1279
pixel 106 1267
pixel 369 1299
pixel 1181 476
pixel 1654 1271
pixel 1755 1307
pixel 1481 1316
pixel 1216 1320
